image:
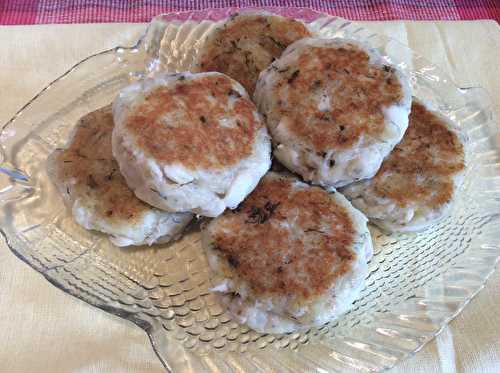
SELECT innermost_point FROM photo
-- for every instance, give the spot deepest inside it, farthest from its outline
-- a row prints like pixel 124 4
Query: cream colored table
pixel 44 330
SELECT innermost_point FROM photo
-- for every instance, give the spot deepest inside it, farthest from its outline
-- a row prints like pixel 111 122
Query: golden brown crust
pixel 88 170
pixel 358 90
pixel 197 106
pixel 421 168
pixel 246 45
pixel 303 261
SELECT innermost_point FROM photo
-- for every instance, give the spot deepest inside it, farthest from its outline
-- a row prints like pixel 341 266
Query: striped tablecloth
pixel 24 12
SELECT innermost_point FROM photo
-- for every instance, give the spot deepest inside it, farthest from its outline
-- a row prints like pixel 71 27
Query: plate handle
pixel 15 184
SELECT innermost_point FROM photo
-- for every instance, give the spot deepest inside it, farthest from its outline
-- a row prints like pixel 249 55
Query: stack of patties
pixel 291 255
pixel 183 144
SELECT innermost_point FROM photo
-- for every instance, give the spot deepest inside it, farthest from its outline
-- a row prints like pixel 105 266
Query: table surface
pixel 44 329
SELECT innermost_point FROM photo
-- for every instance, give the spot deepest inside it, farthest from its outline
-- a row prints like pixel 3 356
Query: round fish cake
pixel 334 109
pixel 417 182
pixel 190 142
pixel 292 256
pixel 88 177
pixel 245 44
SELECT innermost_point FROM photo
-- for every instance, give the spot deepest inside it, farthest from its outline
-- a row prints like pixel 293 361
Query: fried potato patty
pixel 190 142
pixel 334 109
pixel 247 43
pixel 292 255
pixel 417 182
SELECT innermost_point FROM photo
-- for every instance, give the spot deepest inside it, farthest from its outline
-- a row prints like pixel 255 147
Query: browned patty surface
pixel 197 106
pixel 421 168
pixel 302 261
pixel 358 93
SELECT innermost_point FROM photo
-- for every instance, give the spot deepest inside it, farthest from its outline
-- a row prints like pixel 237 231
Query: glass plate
pixel 417 282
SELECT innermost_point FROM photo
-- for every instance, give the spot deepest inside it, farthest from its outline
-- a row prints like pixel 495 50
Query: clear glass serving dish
pixel 417 282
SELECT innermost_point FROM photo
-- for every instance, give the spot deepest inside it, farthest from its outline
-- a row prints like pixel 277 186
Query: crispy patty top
pixel 199 123
pixel 329 97
pixel 286 240
pixel 421 167
pixel 247 44
pixel 89 172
